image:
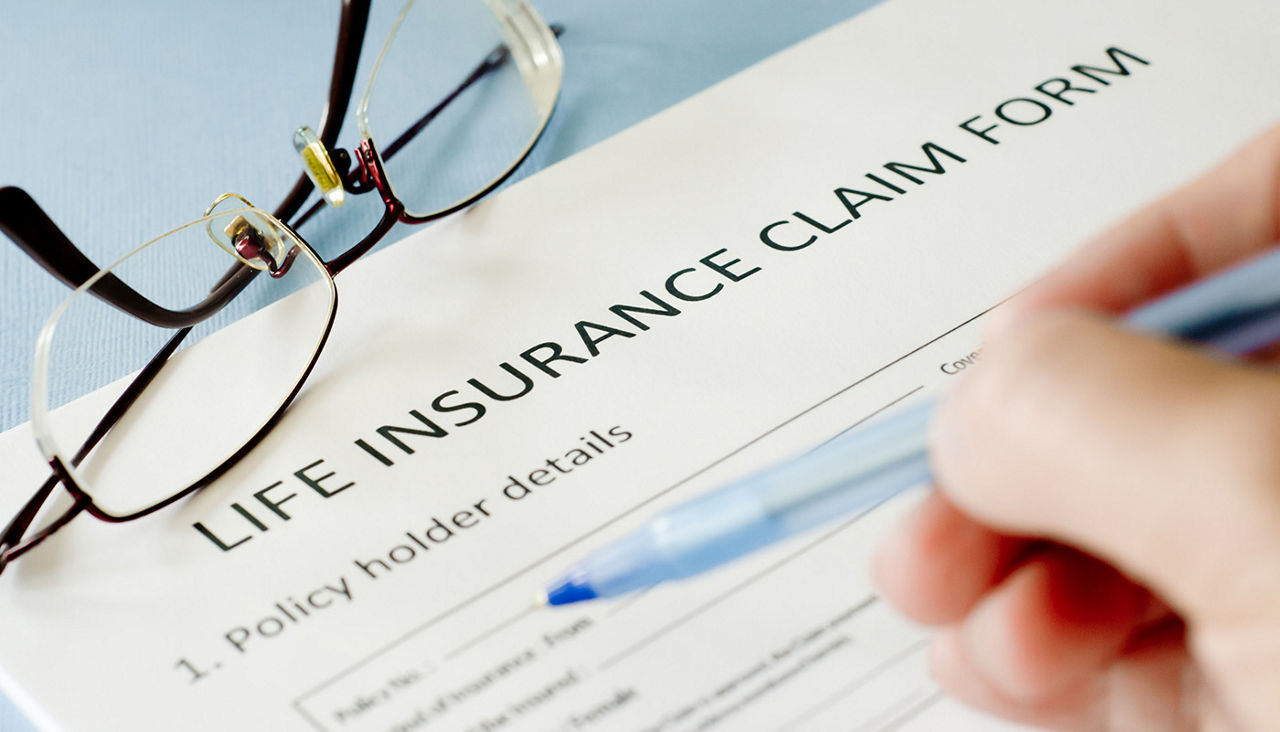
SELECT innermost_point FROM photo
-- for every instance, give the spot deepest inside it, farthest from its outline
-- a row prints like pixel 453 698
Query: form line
pixel 857 683
pixel 297 705
pixel 912 712
pixel 857 424
pixel 629 601
pixel 497 628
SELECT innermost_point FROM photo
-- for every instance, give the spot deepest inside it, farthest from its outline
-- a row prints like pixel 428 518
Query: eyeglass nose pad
pixel 246 234
pixel 319 166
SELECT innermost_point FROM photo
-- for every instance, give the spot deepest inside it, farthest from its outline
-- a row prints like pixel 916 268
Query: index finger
pixel 1225 216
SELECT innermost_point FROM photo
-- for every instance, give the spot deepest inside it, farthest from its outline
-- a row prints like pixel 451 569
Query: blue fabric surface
pixel 124 121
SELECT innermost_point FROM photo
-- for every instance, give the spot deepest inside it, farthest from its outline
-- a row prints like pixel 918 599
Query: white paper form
pixel 800 247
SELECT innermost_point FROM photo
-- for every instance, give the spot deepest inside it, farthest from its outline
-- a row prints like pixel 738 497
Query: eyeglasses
pixel 198 397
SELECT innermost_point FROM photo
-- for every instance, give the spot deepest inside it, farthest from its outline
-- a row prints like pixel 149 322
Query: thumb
pixel 1158 458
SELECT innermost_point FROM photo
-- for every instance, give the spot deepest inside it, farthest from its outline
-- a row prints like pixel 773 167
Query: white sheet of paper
pixel 402 602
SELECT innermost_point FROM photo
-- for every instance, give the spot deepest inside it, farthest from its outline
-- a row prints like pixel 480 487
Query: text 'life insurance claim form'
pixel 740 278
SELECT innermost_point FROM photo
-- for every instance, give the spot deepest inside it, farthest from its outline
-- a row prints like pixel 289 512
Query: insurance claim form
pixel 762 267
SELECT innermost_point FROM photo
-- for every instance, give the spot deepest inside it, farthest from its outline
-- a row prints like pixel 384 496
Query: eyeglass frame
pixel 33 231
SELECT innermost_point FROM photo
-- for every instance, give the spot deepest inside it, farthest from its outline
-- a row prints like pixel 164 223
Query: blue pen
pixel 1235 312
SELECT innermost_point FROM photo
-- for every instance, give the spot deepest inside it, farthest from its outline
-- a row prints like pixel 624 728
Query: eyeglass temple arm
pixel 23 221
pixel 20 523
pixel 351 30
pixel 12 545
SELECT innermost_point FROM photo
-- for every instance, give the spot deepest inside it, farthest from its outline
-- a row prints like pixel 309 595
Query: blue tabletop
pixel 124 121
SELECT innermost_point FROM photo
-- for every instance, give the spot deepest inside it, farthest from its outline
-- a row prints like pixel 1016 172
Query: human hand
pixel 1104 547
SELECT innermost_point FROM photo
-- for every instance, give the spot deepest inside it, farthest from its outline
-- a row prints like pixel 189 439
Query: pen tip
pixel 570 590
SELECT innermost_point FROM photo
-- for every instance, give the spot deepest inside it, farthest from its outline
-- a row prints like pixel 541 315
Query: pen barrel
pixel 680 542
pixel 1236 312
pixel 846 476
pixel 851 473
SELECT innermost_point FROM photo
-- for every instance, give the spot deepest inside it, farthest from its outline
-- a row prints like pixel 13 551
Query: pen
pixel 1235 312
